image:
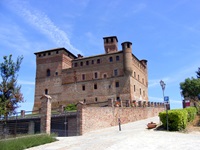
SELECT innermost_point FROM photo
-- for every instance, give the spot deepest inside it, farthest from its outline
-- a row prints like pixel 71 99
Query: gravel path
pixel 133 136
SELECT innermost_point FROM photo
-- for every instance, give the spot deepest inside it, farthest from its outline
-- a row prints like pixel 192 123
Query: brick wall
pixel 93 118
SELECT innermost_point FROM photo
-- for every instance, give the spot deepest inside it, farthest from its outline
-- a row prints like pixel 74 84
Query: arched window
pixel 48 72
pixel 46 91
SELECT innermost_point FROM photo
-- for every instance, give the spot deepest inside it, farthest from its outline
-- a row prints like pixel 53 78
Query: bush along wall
pixel 178 118
pixel 192 112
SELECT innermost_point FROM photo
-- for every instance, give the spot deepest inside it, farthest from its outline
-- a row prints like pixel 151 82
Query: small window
pixel 96 99
pixel 75 65
pixel 39 55
pixel 138 77
pixel 46 91
pixel 87 62
pixel 83 87
pixel 105 76
pixel 144 93
pixel 95 86
pixel 57 52
pixel 81 63
pixel 56 73
pixel 111 59
pixel 48 72
pixel 44 54
pixel 84 100
pixel 134 88
pixel 117 58
pixel 117 84
pixel 142 80
pixel 92 62
pixel 140 91
pixel 49 53
pixel 115 72
pixel 83 76
pixel 98 61
pixel 134 75
pixel 95 75
pixel 118 99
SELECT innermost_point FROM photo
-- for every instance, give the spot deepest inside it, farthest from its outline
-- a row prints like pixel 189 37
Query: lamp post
pixel 162 84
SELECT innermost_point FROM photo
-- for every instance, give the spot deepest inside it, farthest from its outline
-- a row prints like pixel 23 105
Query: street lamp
pixel 162 84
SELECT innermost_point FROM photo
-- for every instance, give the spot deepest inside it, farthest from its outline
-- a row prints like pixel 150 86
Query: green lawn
pixel 24 142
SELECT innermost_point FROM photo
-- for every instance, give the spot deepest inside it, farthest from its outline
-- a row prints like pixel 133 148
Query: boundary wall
pixel 94 118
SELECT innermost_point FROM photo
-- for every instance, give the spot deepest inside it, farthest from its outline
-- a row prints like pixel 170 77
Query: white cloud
pixel 44 24
pixel 26 82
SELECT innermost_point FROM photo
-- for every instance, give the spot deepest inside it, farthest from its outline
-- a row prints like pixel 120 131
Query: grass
pixel 24 142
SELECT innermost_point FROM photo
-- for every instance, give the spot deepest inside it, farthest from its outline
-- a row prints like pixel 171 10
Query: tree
pixel 191 89
pixel 198 73
pixel 10 94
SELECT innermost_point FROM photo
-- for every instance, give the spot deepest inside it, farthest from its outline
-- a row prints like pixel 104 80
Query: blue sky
pixel 166 33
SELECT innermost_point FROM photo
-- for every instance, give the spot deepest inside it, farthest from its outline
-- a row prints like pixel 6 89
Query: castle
pixel 117 75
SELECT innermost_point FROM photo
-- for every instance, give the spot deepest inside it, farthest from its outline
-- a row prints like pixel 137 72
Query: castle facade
pixel 117 74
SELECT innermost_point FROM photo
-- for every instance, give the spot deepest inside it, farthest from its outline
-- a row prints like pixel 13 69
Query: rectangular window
pixel 134 88
pixel 49 53
pixel 117 84
pixel 75 65
pixel 117 58
pixel 134 75
pixel 92 62
pixel 140 91
pixel 95 75
pixel 95 86
pixel 96 99
pixel 111 59
pixel 138 77
pixel 144 93
pixel 81 64
pixel 83 87
pixel 87 62
pixel 83 76
pixel 116 72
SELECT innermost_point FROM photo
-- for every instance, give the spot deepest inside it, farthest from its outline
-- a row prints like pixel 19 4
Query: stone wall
pixel 94 118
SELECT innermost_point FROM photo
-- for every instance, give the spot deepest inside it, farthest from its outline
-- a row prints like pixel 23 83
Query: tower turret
pixel 110 44
pixel 127 50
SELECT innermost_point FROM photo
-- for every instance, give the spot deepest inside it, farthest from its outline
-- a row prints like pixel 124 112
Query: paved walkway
pixel 133 136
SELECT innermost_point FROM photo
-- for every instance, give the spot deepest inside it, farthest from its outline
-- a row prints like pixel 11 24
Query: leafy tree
pixel 198 73
pixel 10 94
pixel 191 88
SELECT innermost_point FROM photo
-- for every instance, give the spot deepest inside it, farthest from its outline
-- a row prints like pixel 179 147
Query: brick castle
pixel 117 75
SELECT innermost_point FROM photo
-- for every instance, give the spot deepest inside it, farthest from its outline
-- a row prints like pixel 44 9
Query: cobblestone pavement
pixel 134 135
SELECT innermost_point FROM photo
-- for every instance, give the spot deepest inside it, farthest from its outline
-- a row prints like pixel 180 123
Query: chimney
pixel 80 56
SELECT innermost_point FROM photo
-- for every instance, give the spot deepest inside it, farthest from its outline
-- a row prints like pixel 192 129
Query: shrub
pixel 177 119
pixel 71 107
pixel 192 111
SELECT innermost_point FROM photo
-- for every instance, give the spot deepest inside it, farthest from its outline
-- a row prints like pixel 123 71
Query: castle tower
pixel 127 51
pixel 110 44
pixel 49 66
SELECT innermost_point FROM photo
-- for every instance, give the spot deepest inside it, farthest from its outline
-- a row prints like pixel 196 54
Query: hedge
pixel 178 118
pixel 192 111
